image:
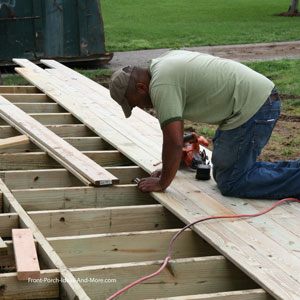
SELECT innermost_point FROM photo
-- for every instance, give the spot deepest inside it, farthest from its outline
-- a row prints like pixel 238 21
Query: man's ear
pixel 141 88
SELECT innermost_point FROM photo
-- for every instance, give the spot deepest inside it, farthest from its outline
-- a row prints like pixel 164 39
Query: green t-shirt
pixel 204 88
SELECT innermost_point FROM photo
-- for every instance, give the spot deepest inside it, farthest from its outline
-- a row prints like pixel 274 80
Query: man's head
pixel 129 87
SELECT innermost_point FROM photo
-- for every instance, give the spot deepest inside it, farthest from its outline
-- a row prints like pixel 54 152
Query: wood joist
pixel 115 232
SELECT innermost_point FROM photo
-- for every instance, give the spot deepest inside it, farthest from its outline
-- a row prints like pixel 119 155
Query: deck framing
pixel 118 232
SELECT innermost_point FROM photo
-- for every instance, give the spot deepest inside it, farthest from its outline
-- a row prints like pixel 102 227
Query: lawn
pixel 145 24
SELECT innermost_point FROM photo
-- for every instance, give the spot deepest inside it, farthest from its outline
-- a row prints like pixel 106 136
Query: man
pixel 203 88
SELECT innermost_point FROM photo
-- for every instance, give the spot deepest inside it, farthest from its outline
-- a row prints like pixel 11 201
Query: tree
pixel 293 9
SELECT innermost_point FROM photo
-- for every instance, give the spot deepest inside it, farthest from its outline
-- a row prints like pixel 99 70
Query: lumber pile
pixel 116 232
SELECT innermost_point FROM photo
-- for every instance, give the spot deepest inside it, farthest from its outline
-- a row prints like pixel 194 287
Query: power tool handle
pixel 189 137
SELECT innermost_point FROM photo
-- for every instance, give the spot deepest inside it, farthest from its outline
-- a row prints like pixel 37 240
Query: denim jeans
pixel 235 168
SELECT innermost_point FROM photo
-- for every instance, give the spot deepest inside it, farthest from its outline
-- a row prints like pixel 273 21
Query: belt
pixel 272 98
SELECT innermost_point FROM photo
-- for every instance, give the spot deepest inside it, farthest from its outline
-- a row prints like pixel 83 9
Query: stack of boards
pixel 72 185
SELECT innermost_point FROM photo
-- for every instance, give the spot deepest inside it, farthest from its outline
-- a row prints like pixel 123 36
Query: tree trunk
pixel 293 9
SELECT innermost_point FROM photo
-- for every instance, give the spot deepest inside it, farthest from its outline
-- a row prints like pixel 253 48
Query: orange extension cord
pixel 183 229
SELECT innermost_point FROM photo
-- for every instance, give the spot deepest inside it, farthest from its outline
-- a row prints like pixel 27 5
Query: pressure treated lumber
pixel 19 89
pixel 113 115
pixel 50 178
pixel 8 221
pixel 185 276
pixel 256 294
pixel 56 147
pixel 3 247
pixel 178 213
pixel 69 286
pixel 65 130
pixel 27 98
pixel 47 288
pixel 97 119
pixel 123 247
pixel 93 87
pixel 266 254
pixel 189 277
pixel 54 118
pixel 40 107
pixel 14 141
pixel 52 215
pixel 91 143
pixel 81 197
pixel 138 117
pixel 279 224
pixel 25 254
pixel 41 160
pixel 185 200
pixel 87 221
pixel 8 262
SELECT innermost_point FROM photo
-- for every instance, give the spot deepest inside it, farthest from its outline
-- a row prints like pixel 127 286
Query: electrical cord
pixel 186 227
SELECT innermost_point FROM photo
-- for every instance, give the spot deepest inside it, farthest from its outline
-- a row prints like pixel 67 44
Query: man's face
pixel 139 100
pixel 140 97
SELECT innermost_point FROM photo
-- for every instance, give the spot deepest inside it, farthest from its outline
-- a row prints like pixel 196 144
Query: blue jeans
pixel 235 168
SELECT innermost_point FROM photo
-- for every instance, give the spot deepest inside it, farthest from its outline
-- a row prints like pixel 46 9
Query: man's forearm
pixel 172 147
pixel 171 157
pixel 172 151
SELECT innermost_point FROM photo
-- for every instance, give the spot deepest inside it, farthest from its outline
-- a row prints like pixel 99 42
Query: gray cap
pixel 118 86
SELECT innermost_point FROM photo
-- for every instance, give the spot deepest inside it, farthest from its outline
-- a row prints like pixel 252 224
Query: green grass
pixel 285 73
pixel 92 74
pixel 148 24
pixel 19 80
pixel 14 80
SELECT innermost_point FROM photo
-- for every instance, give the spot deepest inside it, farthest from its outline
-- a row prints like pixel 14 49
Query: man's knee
pixel 224 189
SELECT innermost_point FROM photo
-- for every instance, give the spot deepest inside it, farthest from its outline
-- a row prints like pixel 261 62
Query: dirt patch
pixel 289 118
pixel 103 80
pixel 242 52
pixel 288 96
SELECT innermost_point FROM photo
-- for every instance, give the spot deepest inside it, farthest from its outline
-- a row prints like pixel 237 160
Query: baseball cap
pixel 118 86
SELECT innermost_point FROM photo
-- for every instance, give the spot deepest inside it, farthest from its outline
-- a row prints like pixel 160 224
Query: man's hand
pixel 171 155
pixel 150 184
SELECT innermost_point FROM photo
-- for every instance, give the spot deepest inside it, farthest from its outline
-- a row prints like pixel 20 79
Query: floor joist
pixel 47 178
pixel 92 143
pixel 81 197
pixel 86 221
pixel 6 89
pixel 41 160
pixel 26 98
pixel 185 276
pixel 256 294
pixel 65 130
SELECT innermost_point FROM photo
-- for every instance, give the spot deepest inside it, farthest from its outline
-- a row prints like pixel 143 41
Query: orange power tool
pixel 194 158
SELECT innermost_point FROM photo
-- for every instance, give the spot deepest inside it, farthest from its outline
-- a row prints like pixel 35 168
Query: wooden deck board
pixel 68 156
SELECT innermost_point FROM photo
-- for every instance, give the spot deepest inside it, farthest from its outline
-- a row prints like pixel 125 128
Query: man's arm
pixel 171 156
